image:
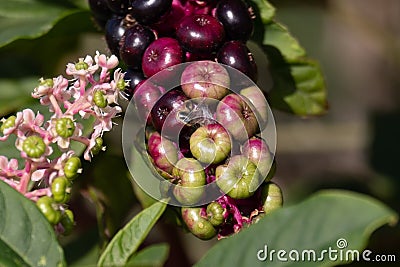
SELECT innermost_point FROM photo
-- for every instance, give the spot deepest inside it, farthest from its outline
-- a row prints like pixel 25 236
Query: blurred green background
pixel 355 146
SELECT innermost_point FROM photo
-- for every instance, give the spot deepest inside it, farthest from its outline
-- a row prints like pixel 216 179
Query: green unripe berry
pixel 61 190
pixel 34 146
pixel 49 209
pixel 99 99
pixel 239 178
pixel 191 181
pixel 8 123
pixel 215 213
pixel 271 196
pixel 67 221
pixel 197 224
pixel 98 146
pixel 72 167
pixel 65 127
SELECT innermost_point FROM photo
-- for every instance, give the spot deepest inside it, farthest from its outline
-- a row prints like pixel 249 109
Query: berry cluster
pixel 50 162
pixel 150 36
pixel 206 141
pixel 200 133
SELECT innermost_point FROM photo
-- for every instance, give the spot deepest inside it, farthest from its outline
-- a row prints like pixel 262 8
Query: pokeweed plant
pixel 37 181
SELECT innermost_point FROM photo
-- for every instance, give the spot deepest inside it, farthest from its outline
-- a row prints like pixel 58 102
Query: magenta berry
pixel 200 33
pixel 237 117
pixel 160 54
pixel 163 152
pixel 205 79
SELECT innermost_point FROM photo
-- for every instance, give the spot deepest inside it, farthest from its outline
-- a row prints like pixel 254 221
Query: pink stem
pixel 26 177
pixel 55 105
pixel 37 193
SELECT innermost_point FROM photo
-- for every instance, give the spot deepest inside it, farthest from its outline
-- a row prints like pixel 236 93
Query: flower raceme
pixel 92 93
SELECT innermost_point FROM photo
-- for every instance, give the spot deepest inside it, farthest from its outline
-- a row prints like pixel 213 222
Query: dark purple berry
pixel 119 7
pixel 200 33
pixel 235 17
pixel 236 55
pixel 115 29
pixel 134 77
pixel 100 12
pixel 167 114
pixel 149 11
pixel 133 44
pixel 160 54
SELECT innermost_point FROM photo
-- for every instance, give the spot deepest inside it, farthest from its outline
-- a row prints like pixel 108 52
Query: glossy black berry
pixel 200 33
pixel 235 17
pixel 114 30
pixel 100 12
pixel 118 6
pixel 236 55
pixel 133 44
pixel 149 11
pixel 134 77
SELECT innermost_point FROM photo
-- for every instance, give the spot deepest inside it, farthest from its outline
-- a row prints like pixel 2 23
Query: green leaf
pixel 267 11
pixel 15 94
pixel 298 87
pixel 152 256
pixel 26 237
pixel 30 19
pixel 127 240
pixel 316 223
pixel 278 36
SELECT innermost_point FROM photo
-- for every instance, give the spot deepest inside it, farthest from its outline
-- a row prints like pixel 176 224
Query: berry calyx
pixel 34 146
